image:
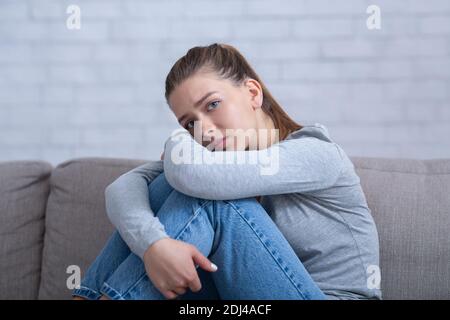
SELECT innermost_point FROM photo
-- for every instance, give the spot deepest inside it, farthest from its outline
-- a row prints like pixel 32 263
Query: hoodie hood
pixel 316 130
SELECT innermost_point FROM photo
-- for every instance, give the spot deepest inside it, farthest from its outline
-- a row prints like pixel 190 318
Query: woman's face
pixel 217 108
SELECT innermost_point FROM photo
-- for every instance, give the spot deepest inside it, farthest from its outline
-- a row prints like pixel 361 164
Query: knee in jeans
pixel 244 202
pixel 159 182
pixel 245 205
pixel 159 189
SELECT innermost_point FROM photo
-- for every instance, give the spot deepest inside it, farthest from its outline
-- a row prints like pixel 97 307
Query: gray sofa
pixel 51 218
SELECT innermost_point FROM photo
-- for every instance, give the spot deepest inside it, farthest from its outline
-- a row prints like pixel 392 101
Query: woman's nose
pixel 208 134
pixel 208 128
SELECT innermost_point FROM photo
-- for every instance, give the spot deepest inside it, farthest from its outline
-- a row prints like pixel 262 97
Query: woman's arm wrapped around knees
pixel 128 207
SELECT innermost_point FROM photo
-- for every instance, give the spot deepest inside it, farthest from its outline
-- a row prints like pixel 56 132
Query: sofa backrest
pixel 24 189
pixel 409 200
pixel 76 223
pixel 410 203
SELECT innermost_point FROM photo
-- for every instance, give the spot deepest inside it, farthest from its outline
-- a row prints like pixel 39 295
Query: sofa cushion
pixel 410 203
pixel 24 188
pixel 77 226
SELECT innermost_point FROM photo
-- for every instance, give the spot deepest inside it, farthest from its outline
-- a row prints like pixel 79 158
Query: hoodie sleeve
pixel 303 164
pixel 128 207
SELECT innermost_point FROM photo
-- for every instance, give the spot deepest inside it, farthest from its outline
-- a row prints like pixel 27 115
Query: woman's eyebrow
pixel 197 104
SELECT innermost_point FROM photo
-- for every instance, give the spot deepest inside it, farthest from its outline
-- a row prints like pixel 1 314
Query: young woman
pixel 301 229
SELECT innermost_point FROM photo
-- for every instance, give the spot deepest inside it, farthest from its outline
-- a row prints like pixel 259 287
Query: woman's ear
pixel 256 93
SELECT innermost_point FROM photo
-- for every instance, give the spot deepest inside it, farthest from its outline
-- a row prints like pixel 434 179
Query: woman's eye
pixel 213 104
pixel 189 125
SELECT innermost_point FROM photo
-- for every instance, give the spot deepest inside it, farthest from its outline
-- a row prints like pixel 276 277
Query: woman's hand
pixel 162 156
pixel 170 265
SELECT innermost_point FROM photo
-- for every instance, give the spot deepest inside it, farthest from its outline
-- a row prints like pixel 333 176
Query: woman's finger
pixel 195 285
pixel 169 294
pixel 179 290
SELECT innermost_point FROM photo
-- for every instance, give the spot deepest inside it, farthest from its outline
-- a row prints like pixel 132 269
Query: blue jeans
pixel 254 259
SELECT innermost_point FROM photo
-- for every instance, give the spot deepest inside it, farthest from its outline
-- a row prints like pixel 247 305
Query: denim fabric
pixel 254 259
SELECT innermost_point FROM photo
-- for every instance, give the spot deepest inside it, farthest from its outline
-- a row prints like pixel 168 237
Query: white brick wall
pixel 99 91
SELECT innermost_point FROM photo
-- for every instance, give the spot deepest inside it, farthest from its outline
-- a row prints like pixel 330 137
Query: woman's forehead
pixel 194 88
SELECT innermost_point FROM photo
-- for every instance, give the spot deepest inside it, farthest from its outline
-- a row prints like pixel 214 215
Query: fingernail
pixel 213 266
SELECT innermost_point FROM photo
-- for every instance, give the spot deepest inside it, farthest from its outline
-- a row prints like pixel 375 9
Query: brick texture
pixel 99 91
